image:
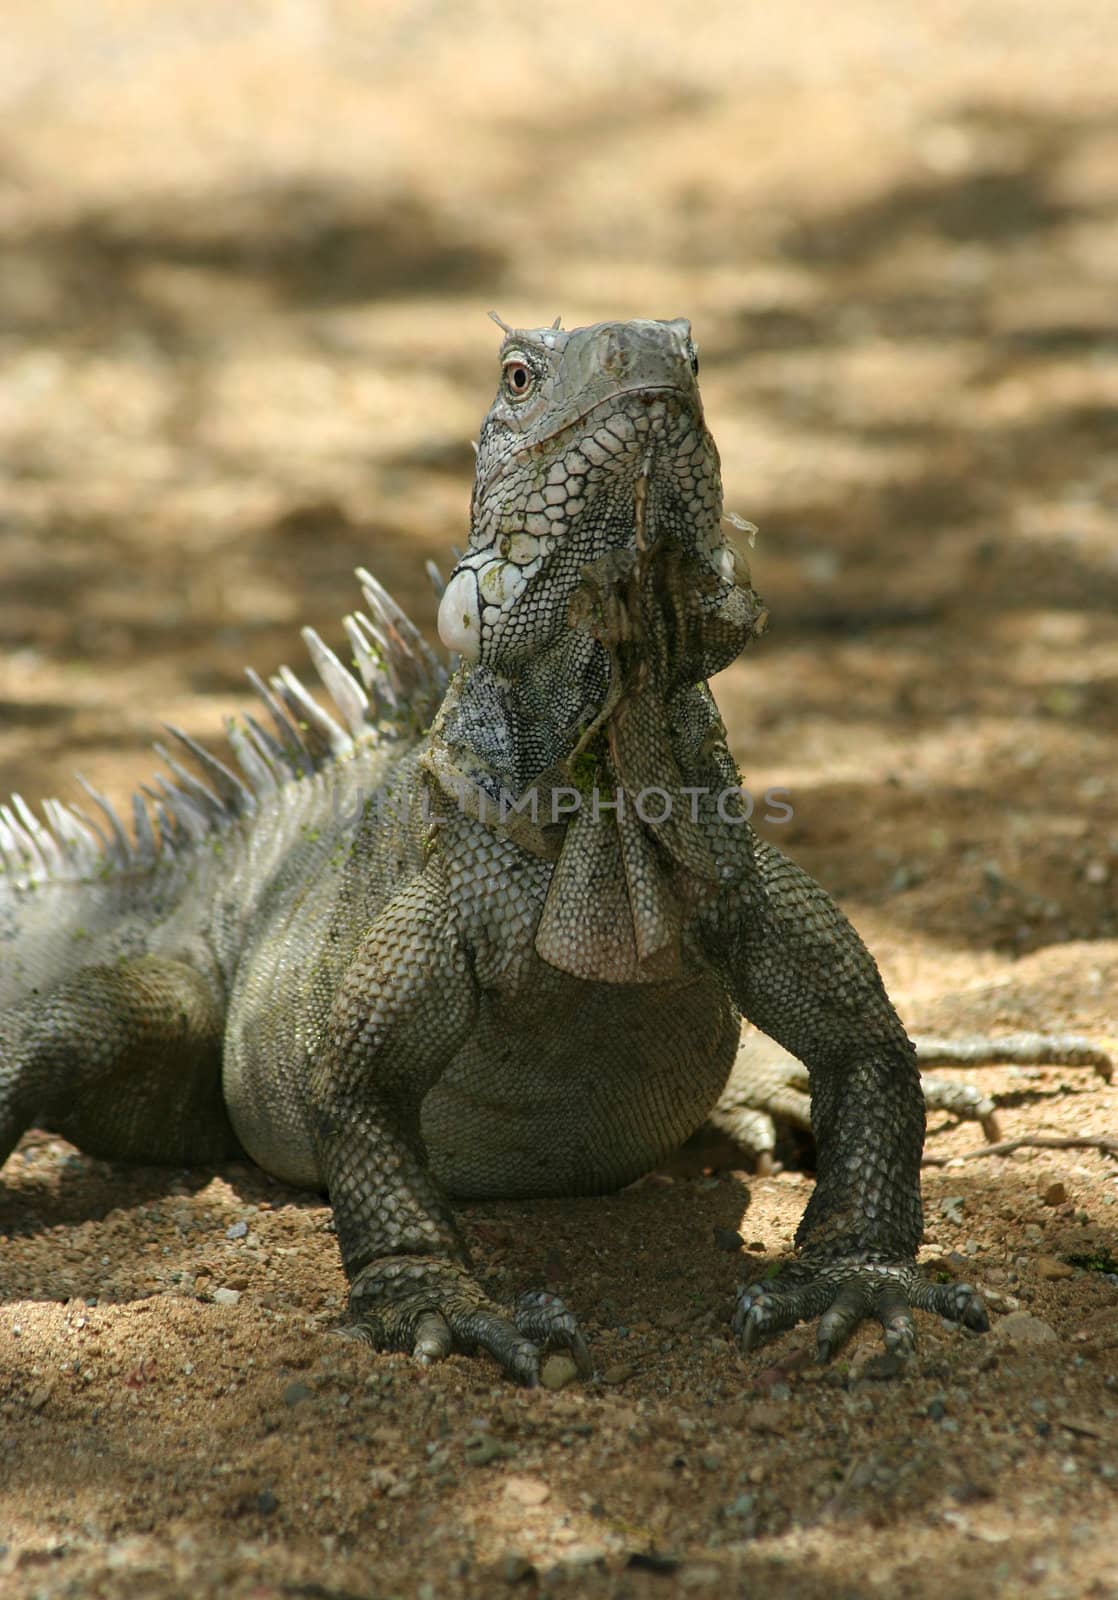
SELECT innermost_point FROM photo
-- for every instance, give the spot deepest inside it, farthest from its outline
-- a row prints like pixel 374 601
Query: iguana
pixel 490 932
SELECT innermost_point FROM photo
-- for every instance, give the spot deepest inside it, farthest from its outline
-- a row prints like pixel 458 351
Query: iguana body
pixel 366 962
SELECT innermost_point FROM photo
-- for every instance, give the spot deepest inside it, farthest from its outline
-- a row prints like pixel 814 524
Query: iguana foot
pixel 768 1087
pixel 843 1294
pixel 962 1100
pixel 432 1307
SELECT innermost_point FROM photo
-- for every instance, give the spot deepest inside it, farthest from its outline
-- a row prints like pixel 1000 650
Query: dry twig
pixel 1029 1141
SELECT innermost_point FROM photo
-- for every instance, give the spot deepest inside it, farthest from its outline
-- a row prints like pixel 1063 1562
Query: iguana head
pixel 595 443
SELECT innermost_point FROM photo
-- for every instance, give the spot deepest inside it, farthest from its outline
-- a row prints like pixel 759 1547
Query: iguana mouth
pixel 646 392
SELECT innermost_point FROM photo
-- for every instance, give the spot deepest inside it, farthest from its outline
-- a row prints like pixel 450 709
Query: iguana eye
pixel 694 355
pixel 519 377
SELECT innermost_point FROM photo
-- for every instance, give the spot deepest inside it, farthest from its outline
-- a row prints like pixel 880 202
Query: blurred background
pixel 247 248
pixel 246 254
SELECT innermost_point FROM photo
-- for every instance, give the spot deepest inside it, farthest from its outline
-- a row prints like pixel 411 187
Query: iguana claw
pixel 433 1307
pixel 844 1294
pixel 546 1321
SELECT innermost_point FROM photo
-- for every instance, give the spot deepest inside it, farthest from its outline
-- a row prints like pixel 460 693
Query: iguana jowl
pixel 441 946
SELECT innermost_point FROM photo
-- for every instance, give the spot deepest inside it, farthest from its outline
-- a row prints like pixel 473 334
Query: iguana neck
pixel 643 626
pixel 618 704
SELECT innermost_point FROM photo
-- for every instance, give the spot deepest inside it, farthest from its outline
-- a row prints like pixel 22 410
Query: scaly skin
pixel 436 958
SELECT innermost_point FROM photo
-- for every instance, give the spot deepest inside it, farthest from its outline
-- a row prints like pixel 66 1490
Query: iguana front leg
pixel 799 971
pixel 404 1007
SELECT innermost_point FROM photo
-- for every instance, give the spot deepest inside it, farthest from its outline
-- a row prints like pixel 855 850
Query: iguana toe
pixel 433 1339
pixel 843 1294
pixel 546 1321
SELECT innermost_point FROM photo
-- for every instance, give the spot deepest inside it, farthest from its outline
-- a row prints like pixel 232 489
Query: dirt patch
pixel 247 253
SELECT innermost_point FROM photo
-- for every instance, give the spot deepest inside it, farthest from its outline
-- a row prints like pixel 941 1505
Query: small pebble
pixel 1054 1194
pixel 698 1577
pixel 884 1367
pixel 557 1371
pixel 296 1393
pixel 969 1493
pixel 728 1239
pixel 236 1230
pixel 584 1555
pixel 226 1297
pixel 527 1491
pixel 767 1418
pixel 619 1373
pixel 1051 1267
pixel 1021 1327
pixel 479 1449
pixel 651 1561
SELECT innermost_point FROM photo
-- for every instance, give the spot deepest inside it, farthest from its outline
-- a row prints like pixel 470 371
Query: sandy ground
pixel 245 255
